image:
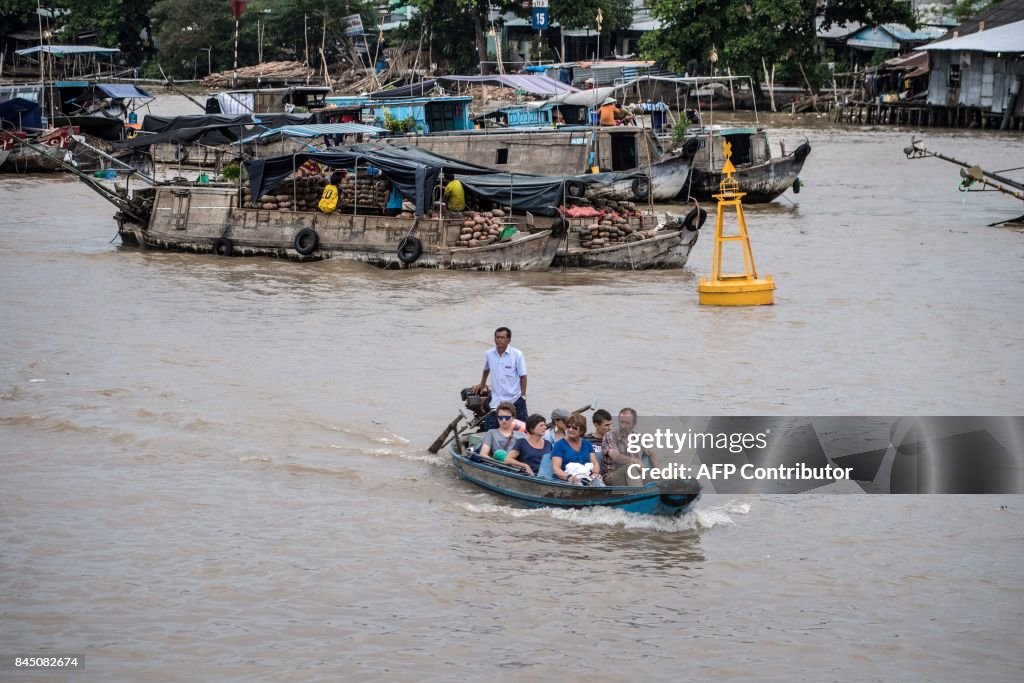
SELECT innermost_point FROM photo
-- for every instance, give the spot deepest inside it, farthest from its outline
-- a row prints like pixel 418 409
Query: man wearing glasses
pixel 506 366
pixel 615 459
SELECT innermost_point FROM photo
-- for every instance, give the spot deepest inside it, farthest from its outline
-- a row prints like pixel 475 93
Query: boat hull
pixel 208 220
pixel 670 498
pixel 660 252
pixel 761 183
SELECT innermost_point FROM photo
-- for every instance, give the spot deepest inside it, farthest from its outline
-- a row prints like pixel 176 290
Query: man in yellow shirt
pixel 455 196
pixel 329 198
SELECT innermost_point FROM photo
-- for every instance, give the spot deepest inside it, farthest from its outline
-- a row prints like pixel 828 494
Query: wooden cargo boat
pixel 209 219
pixel 671 498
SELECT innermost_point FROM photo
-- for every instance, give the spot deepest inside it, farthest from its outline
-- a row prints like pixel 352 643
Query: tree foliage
pixel 742 32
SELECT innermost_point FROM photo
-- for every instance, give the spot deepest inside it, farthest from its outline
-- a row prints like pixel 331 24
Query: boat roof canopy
pixel 62 50
pixel 413 171
pixel 416 172
pixel 314 130
pixel 123 91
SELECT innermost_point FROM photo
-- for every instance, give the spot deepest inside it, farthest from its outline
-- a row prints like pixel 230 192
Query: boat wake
pixel 698 519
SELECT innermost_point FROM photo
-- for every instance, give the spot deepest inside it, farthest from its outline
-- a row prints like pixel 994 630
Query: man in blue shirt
pixel 506 366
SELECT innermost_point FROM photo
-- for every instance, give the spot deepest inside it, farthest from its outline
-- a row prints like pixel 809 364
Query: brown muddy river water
pixel 215 469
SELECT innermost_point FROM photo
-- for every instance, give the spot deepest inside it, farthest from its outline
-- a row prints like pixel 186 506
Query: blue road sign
pixel 540 19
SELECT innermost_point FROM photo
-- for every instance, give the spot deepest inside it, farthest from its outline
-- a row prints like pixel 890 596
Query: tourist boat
pixel 670 497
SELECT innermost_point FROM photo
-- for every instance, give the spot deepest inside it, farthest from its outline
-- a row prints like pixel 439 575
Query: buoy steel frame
pixel 744 289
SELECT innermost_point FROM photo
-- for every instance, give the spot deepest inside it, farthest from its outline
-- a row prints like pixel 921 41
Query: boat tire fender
pixel 796 186
pixel 306 241
pixel 222 246
pixel 641 188
pixel 409 249
pixel 559 227
pixel 575 188
pixel 694 220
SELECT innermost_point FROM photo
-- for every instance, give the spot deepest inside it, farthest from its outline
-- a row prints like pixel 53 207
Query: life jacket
pixel 329 199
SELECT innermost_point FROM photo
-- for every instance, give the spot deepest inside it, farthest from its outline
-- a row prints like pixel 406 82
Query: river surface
pixel 215 469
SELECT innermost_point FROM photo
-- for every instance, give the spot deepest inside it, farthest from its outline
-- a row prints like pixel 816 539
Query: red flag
pixel 238 7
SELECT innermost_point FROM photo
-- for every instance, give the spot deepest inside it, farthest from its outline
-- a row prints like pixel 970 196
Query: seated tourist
pixel 602 420
pixel 556 430
pixel 572 458
pixel 498 442
pixel 615 456
pixel 528 453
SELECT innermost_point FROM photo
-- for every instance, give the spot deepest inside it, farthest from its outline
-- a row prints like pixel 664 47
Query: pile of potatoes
pixel 481 227
pixel 609 229
pixel 303 194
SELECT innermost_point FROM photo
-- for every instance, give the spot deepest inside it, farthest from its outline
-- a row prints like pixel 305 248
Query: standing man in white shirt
pixel 507 367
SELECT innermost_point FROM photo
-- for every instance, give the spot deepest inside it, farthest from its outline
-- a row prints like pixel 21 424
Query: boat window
pixel 441 116
pixel 502 157
pixel 740 147
pixel 623 151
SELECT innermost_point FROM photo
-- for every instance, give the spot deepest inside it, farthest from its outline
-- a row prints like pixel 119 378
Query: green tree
pixel 580 14
pixel 290 27
pixel 117 23
pixel 963 10
pixel 445 25
pixel 742 32
pixel 186 28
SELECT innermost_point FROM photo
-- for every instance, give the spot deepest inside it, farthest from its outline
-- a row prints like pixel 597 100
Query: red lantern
pixel 238 7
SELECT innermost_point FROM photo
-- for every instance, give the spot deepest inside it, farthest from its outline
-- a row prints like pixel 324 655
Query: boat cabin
pixel 411 114
pixel 749 146
pixel 534 115
pixel 567 150
pixel 295 98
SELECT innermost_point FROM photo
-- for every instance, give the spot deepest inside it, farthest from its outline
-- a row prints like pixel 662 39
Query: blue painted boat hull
pixel 669 498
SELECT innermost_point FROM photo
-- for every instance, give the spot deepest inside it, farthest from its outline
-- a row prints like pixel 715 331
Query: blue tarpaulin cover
pixel 20 113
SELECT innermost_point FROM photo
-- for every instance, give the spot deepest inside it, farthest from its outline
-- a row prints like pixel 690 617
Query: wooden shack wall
pixel 985 81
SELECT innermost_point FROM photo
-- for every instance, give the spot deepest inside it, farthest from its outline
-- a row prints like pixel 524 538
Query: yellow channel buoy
pixel 744 289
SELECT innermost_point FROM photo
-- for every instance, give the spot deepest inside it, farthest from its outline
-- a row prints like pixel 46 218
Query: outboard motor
pixel 478 403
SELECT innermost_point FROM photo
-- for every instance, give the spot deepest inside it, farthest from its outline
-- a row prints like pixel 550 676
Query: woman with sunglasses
pixel 575 449
pixel 528 453
pixel 504 437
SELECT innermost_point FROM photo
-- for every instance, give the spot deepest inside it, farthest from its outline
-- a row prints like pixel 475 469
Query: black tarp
pixel 539 194
pixel 208 129
pixel 421 89
pixel 161 124
pixel 220 134
pixel 414 172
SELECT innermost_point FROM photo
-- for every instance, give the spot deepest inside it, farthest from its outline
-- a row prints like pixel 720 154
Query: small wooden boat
pixel 666 246
pixel 671 498
pixel 761 176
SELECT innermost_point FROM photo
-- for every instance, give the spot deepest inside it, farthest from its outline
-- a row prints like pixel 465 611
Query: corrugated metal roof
pixel 1006 38
pixel 61 50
